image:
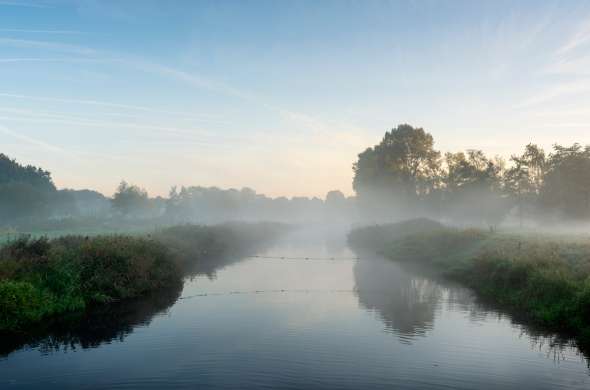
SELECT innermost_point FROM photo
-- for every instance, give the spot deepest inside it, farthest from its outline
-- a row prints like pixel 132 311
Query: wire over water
pixel 250 292
pixel 277 257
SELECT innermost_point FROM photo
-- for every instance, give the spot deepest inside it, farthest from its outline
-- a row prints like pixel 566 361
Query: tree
pixel 474 188
pixel 130 200
pixel 25 191
pixel 566 185
pixel 13 172
pixel 336 198
pixel 402 168
pixel 336 206
pixel 525 178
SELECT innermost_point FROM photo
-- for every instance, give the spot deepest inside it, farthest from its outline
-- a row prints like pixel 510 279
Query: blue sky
pixel 280 96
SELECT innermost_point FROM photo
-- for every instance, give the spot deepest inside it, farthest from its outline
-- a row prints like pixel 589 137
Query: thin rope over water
pixel 306 291
pixel 301 258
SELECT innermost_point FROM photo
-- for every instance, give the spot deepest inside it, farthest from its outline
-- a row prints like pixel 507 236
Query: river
pixel 322 323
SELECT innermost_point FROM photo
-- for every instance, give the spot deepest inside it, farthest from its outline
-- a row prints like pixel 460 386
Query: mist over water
pixel 319 324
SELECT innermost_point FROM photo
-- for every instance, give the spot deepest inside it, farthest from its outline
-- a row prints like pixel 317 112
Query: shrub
pixel 20 303
pixel 42 277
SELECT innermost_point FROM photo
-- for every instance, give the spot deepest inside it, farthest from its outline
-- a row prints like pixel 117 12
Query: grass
pixel 543 278
pixel 42 277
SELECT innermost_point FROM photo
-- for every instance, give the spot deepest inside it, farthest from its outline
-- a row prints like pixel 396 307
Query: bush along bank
pixel 40 278
pixel 543 278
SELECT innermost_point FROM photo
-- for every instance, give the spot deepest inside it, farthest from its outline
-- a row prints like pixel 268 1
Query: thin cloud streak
pixel 47 45
pixel 580 38
pixel 17 30
pixel 167 130
pixel 23 4
pixel 30 140
pixel 63 115
pixel 35 59
pixel 96 103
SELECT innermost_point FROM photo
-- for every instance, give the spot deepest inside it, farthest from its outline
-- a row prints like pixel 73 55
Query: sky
pixel 280 96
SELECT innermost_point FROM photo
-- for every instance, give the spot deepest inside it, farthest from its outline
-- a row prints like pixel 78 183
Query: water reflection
pixel 408 300
pixel 406 304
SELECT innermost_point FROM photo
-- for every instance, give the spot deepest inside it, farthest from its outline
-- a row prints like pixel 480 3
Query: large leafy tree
pixel 403 166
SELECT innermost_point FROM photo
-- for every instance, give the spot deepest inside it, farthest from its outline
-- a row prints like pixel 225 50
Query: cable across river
pixel 278 257
pixel 276 291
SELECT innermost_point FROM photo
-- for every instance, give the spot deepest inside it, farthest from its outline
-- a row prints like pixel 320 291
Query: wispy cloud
pixel 30 140
pixel 209 119
pixel 317 131
pixel 338 131
pixel 47 45
pixel 23 3
pixel 26 31
pixel 192 79
pixel 581 37
pixel 42 59
pixel 130 107
pixel 554 92
pixel 110 125
pixel 564 73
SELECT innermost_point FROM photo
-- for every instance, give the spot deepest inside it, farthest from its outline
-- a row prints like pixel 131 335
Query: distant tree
pixel 335 197
pixel 525 178
pixel 13 172
pixel 25 191
pixel 336 205
pixel 22 200
pixel 474 188
pixel 90 203
pixel 566 186
pixel 130 200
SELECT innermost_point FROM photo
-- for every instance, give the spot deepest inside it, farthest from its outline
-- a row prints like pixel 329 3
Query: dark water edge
pixel 104 324
pixel 98 325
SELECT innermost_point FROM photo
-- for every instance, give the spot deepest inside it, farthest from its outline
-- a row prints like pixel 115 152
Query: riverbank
pixel 545 278
pixel 41 278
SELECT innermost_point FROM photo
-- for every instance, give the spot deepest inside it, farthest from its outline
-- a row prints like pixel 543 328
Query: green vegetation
pixel 544 279
pixel 40 278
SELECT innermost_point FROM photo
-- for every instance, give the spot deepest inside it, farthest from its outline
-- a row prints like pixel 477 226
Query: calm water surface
pixel 297 324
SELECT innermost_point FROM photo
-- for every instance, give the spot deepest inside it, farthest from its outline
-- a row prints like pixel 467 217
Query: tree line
pixel 402 177
pixel 28 196
pixel 28 192
pixel 405 176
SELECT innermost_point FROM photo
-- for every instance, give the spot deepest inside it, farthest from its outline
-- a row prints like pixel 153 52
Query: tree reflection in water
pixel 407 299
pixel 405 303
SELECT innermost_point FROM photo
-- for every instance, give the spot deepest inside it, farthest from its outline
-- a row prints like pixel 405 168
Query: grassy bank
pixel 545 278
pixel 41 277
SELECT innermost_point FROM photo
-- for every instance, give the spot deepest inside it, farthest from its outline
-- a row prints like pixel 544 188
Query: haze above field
pixel 280 96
